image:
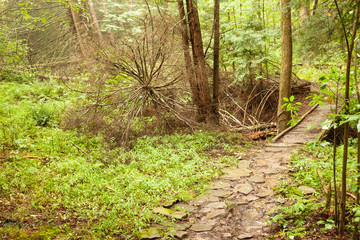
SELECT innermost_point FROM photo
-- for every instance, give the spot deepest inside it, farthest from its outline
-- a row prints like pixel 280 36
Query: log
pixel 259 127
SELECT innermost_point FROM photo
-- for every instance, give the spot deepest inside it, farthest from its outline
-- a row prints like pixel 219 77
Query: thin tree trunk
pixel 111 35
pixel 205 102
pixel 316 2
pixel 79 34
pixel 355 71
pixel 350 47
pixel 356 231
pixel 216 77
pixel 95 22
pixel 260 69
pixel 286 64
pixel 304 11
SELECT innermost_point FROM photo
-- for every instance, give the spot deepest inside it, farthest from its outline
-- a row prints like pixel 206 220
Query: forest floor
pixel 239 203
pixel 59 184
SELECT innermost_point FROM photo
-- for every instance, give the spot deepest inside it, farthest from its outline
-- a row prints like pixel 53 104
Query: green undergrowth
pixel 64 185
pixel 305 215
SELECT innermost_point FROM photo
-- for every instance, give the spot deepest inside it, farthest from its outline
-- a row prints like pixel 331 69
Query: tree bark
pixel 216 76
pixel 111 35
pixel 316 2
pixel 304 11
pixel 95 22
pixel 286 64
pixel 188 61
pixel 78 24
pixel 205 103
pixel 260 68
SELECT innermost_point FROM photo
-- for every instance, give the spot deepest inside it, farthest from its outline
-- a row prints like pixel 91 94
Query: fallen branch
pixel 259 127
pixel 289 128
pixel 322 181
pixel 79 148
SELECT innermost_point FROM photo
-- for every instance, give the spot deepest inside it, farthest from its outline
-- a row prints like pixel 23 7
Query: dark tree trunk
pixel 316 2
pixel 216 77
pixel 286 64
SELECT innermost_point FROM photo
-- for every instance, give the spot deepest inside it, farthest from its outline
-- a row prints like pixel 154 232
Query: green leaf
pixel 286 99
pixel 288 108
pixel 323 87
pixel 292 98
pixel 284 105
pixel 323 78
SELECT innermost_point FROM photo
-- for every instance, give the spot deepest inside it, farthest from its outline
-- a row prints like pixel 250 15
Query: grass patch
pixel 305 215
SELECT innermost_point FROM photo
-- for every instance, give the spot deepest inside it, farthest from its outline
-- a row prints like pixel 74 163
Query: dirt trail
pixel 237 203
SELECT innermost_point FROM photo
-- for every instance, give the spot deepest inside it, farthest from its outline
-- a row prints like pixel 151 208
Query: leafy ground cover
pixel 57 183
pixel 306 216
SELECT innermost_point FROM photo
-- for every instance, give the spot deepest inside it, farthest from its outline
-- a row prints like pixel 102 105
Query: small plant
pixel 42 115
pixel 293 108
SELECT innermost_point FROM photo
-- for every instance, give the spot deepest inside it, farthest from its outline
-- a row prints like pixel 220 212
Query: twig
pixel 322 181
pixel 79 148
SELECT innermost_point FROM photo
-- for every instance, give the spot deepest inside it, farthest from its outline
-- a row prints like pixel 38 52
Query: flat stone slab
pixel 244 164
pixel 307 190
pixel 182 226
pixel 270 171
pixel 257 179
pixel 170 213
pixel 226 235
pixel 264 193
pixel 245 188
pixel 245 236
pixel 203 199
pixel 216 213
pixel 242 201
pixel 202 227
pixel 236 174
pixel 220 193
pixel 180 234
pixel 185 207
pixel 251 198
pixel 220 185
pixel 149 233
pixel 169 203
pixel 216 205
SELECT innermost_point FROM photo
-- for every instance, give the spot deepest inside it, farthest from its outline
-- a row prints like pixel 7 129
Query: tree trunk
pixel 205 103
pixel 350 48
pixel 216 77
pixel 111 35
pixel 78 24
pixel 286 64
pixel 188 62
pixel 95 23
pixel 316 2
pixel 259 67
pixel 304 11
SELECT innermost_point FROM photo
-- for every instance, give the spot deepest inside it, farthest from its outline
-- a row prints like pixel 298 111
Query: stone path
pixel 237 204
